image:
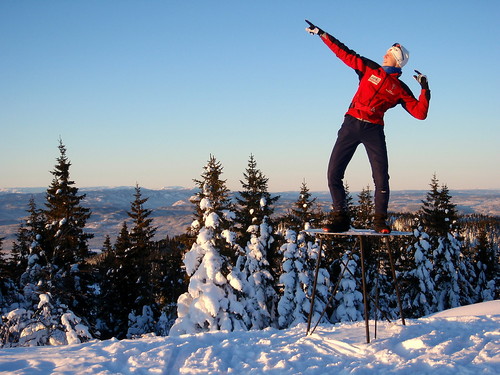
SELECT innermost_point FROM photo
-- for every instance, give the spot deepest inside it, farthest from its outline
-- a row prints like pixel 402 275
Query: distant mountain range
pixel 172 212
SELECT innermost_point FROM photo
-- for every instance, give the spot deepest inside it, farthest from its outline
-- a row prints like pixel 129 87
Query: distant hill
pixel 172 212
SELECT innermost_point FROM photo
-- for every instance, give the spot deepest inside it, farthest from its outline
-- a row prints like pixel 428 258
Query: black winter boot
pixel 380 224
pixel 340 222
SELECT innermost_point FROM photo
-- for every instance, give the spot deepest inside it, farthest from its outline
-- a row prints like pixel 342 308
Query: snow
pixel 212 220
pixel 463 340
pixel 180 203
pixel 205 204
pixel 479 309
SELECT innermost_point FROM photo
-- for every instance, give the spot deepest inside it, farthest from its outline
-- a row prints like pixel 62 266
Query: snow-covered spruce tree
pixel 440 221
pixel 9 293
pixel 49 324
pixel 486 267
pixel 364 209
pixel 141 323
pixel 254 202
pixel 305 212
pixel 418 288
pixel 300 252
pixel 212 301
pixel 259 296
pixel 349 300
pixel 299 260
pixel 36 278
pixel 255 236
pixel 311 249
pixel 66 245
pixel 32 266
pixel 293 306
pixel 26 234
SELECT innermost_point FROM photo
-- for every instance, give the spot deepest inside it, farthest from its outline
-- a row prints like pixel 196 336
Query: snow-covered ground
pixel 464 340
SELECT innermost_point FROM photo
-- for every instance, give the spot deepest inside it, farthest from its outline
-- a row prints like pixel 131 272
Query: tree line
pixel 237 267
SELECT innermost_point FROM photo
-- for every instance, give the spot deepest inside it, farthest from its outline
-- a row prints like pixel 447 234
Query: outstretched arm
pixel 418 108
pixel 348 56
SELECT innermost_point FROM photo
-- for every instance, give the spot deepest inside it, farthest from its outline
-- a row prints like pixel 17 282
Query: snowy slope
pixel 459 341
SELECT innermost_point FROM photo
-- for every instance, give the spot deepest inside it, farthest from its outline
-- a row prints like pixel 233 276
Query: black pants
pixel 352 133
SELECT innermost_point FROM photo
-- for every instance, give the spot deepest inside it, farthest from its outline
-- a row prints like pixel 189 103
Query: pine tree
pixel 8 289
pixel 127 293
pixel 338 245
pixel 137 257
pixel 258 292
pixel 106 246
pixel 123 242
pixel 486 267
pixel 142 232
pixel 55 272
pixel 212 302
pixel 66 245
pixel 311 249
pixel 439 219
pixel 297 279
pixel 65 216
pixel 349 300
pixel 254 201
pixel 349 202
pixel 350 207
pixel 365 209
pixel 37 276
pixel 20 251
pixel 115 284
pixel 213 198
pixel 419 296
pixel 305 211
pixel 438 214
pixel 255 236
pixel 293 304
pixel 49 324
pixel 380 285
pixel 167 281
pixel 29 263
pixel 30 240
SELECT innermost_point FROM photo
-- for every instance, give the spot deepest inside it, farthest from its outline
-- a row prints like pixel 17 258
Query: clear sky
pixel 145 91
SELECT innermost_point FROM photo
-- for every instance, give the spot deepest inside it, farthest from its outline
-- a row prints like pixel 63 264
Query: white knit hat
pixel 400 53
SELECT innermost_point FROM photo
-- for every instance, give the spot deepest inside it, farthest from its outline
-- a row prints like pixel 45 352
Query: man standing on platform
pixel 379 90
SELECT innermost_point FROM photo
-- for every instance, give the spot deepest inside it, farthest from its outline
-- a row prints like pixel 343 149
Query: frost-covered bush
pixel 49 324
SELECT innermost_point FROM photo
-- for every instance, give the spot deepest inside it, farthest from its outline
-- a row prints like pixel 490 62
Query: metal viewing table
pixel 360 234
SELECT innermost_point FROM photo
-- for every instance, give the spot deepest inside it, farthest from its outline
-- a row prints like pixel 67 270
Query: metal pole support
pixel 313 294
pixel 363 280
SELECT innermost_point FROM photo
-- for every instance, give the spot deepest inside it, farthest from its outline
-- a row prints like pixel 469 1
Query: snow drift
pixel 463 340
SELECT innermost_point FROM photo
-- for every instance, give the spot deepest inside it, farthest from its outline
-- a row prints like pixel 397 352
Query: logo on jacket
pixel 391 90
pixel 374 79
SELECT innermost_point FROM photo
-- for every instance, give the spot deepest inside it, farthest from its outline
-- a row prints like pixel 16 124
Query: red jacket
pixel 378 91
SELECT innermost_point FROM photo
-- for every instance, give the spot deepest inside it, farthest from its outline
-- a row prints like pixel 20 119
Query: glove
pixel 422 80
pixel 313 30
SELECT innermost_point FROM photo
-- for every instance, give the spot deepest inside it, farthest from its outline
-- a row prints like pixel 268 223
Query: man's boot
pixel 380 224
pixel 340 222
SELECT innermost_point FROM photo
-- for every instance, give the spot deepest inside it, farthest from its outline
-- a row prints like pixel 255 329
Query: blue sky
pixel 145 91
